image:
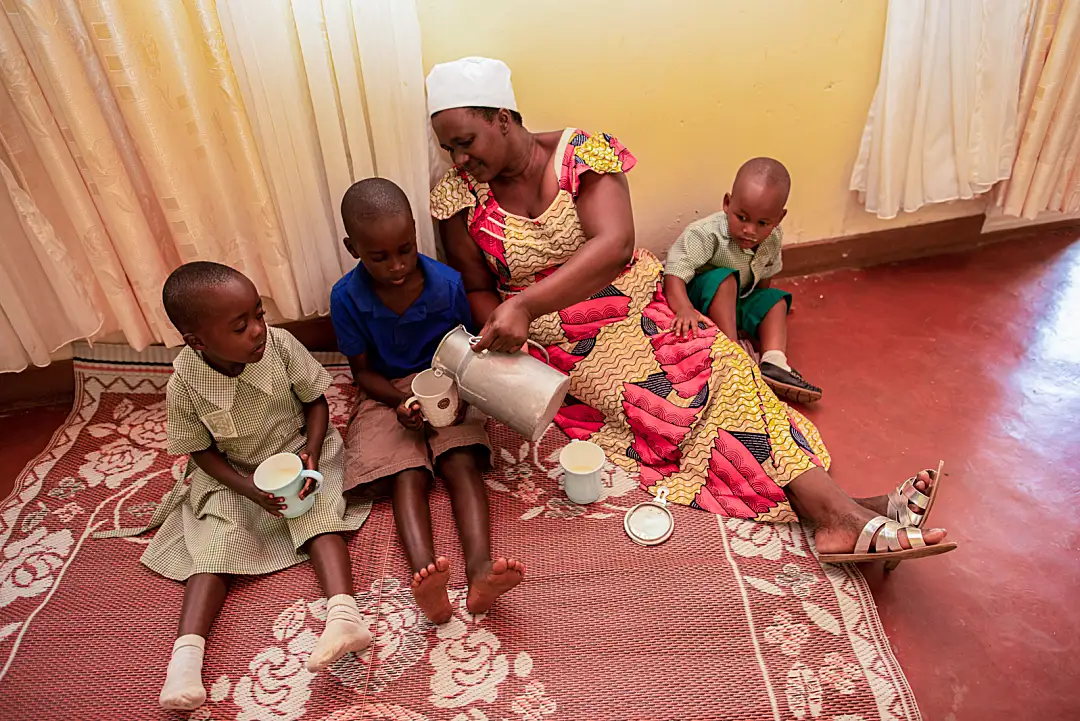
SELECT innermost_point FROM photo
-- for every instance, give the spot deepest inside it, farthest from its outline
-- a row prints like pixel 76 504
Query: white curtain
pixel 136 135
pixel 335 91
pixel 1046 174
pixel 943 121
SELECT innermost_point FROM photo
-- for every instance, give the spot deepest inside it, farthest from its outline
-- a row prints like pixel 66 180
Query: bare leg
pixel 772 331
pixel 722 308
pixel 346 630
pixel 487 579
pixel 412 514
pixel 816 498
pixel 203 596
pixel 330 556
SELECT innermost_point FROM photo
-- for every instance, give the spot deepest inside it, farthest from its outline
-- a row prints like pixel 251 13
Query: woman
pixel 541 229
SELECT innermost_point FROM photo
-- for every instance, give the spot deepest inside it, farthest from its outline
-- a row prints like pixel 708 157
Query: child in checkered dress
pixel 721 268
pixel 241 392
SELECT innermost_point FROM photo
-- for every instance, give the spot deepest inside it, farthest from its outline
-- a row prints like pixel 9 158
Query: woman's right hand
pixel 507 328
pixel 686 323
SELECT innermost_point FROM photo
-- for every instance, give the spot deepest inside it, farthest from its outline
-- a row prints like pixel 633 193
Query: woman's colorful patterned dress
pixel 693 415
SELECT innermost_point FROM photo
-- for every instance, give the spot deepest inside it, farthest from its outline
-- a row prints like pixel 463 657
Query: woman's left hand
pixel 507 328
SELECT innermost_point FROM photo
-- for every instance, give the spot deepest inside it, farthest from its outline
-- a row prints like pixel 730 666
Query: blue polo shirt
pixel 398 345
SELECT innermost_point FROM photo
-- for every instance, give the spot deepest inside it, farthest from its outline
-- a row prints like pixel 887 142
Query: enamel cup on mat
pixel 514 388
pixel 284 475
pixel 582 465
pixel 437 396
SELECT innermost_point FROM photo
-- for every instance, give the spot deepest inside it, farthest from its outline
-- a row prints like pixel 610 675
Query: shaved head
pixel 767 174
pixel 370 199
pixel 187 295
pixel 755 205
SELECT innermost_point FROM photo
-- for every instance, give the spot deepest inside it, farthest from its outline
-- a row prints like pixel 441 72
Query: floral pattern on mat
pixel 728 619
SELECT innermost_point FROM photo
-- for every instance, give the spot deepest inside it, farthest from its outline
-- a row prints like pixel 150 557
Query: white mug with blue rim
pixel 284 475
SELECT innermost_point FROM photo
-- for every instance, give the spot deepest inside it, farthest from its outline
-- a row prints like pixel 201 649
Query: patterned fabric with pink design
pixel 691 414
pixel 729 619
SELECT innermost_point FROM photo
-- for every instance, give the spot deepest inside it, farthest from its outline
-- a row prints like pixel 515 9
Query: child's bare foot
pixel 497 579
pixel 429 590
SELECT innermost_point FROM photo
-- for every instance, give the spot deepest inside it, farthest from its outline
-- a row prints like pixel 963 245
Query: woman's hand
pixel 507 328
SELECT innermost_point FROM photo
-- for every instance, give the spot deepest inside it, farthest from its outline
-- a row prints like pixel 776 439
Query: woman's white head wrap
pixel 470 83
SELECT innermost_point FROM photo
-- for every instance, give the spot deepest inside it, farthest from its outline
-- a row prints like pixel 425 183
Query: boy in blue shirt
pixel 389 313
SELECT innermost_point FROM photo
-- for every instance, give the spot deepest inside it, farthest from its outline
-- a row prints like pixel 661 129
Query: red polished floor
pixel 974 358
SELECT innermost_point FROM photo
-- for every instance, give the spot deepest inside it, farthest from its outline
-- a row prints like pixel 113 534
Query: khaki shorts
pixel 377 446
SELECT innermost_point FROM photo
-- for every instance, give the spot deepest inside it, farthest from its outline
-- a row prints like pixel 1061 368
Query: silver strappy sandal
pixel 886 546
pixel 906 493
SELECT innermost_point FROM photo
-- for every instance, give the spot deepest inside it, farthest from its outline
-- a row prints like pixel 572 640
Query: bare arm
pixel 466 257
pixel 373 384
pixel 687 316
pixel 317 420
pixel 381 390
pixel 214 463
pixel 603 207
pixel 765 283
pixel 675 292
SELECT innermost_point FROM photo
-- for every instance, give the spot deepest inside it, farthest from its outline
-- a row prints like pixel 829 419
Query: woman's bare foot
pixel 491 582
pixel 839 519
pixel 839 533
pixel 880 504
pixel 429 590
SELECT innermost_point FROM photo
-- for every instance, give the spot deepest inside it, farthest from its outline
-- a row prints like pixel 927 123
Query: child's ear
pixel 193 340
pixel 727 201
pixel 349 247
pixel 783 213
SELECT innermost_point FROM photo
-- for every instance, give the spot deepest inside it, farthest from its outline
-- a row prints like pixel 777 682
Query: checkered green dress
pixel 206 527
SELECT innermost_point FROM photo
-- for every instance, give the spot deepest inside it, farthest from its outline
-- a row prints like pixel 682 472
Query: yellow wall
pixel 694 88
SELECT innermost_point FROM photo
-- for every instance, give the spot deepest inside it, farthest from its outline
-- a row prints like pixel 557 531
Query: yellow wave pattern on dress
pixel 695 417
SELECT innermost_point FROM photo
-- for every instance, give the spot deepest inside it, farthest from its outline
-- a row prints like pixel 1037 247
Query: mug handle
pixel 318 480
pixel 413 399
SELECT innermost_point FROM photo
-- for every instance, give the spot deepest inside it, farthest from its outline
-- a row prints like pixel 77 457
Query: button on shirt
pixel 398 345
pixel 707 243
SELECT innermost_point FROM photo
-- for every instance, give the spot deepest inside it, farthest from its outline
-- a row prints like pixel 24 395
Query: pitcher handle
pixel 547 356
pixel 473 340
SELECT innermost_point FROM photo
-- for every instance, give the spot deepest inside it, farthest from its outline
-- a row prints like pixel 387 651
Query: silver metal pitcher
pixel 514 388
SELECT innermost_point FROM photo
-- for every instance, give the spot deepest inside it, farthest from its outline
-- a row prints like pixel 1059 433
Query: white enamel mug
pixel 438 397
pixel 582 465
pixel 284 475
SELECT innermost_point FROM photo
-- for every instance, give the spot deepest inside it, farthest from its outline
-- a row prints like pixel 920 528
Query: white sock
pixel 346 630
pixel 777 358
pixel 183 689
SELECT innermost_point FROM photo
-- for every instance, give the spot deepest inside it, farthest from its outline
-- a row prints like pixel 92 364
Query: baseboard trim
pixel 34 387
pixel 882 246
pixel 879 247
